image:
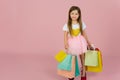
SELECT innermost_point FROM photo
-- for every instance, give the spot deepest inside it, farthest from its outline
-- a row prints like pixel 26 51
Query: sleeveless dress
pixel 77 43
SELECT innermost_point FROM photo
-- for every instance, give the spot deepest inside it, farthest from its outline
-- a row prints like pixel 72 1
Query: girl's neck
pixel 74 22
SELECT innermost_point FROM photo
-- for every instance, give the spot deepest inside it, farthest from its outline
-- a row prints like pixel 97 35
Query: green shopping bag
pixel 77 71
pixel 91 58
pixel 66 63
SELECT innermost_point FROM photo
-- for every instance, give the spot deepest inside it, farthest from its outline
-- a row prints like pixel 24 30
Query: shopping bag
pixel 66 73
pixel 60 56
pixel 66 63
pixel 96 68
pixel 77 71
pixel 91 58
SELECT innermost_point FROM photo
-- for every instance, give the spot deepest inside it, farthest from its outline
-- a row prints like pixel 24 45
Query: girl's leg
pixel 82 58
pixel 71 78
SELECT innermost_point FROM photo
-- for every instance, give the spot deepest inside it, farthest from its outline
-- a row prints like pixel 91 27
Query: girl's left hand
pixel 91 47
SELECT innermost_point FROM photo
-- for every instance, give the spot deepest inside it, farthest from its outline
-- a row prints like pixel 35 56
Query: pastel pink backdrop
pixel 31 34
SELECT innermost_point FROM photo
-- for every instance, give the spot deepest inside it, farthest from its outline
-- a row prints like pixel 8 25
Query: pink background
pixel 31 34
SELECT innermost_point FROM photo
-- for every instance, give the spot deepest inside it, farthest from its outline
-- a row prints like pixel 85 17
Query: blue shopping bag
pixel 66 63
pixel 77 70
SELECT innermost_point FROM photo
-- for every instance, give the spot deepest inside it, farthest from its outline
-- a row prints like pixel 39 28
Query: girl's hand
pixel 66 46
pixel 91 47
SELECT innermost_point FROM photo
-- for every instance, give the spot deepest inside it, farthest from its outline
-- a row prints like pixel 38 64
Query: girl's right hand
pixel 66 46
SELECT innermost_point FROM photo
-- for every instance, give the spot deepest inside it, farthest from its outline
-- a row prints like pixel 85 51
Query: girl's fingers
pixel 91 47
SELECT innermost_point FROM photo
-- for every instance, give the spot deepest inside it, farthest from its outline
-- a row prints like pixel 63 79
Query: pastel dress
pixel 77 43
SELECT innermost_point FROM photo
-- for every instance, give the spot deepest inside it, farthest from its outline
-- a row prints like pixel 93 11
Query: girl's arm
pixel 66 39
pixel 85 35
pixel 89 45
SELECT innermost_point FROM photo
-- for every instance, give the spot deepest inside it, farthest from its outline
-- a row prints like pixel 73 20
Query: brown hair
pixel 69 23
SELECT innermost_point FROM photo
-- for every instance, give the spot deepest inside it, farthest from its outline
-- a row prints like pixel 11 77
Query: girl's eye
pixel 76 14
pixel 72 13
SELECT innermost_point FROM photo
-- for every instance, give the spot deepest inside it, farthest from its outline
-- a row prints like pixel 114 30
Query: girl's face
pixel 74 15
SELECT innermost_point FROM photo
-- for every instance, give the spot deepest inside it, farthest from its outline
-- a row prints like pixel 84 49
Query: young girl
pixel 75 38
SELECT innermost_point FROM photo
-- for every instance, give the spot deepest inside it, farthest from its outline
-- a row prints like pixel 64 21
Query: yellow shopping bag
pixel 60 56
pixel 96 68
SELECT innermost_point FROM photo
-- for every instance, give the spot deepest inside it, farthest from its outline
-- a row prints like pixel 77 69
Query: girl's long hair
pixel 79 20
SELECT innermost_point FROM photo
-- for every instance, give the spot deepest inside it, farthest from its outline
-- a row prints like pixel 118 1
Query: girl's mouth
pixel 73 17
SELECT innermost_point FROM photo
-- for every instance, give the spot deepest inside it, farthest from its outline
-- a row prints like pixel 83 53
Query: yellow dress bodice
pixel 75 32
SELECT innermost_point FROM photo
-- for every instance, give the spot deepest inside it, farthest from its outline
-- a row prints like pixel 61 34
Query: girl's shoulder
pixel 65 27
pixel 83 25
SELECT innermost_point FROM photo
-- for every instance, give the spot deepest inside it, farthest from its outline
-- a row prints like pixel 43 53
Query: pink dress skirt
pixel 77 45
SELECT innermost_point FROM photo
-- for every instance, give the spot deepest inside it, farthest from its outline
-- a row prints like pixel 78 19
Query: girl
pixel 75 38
